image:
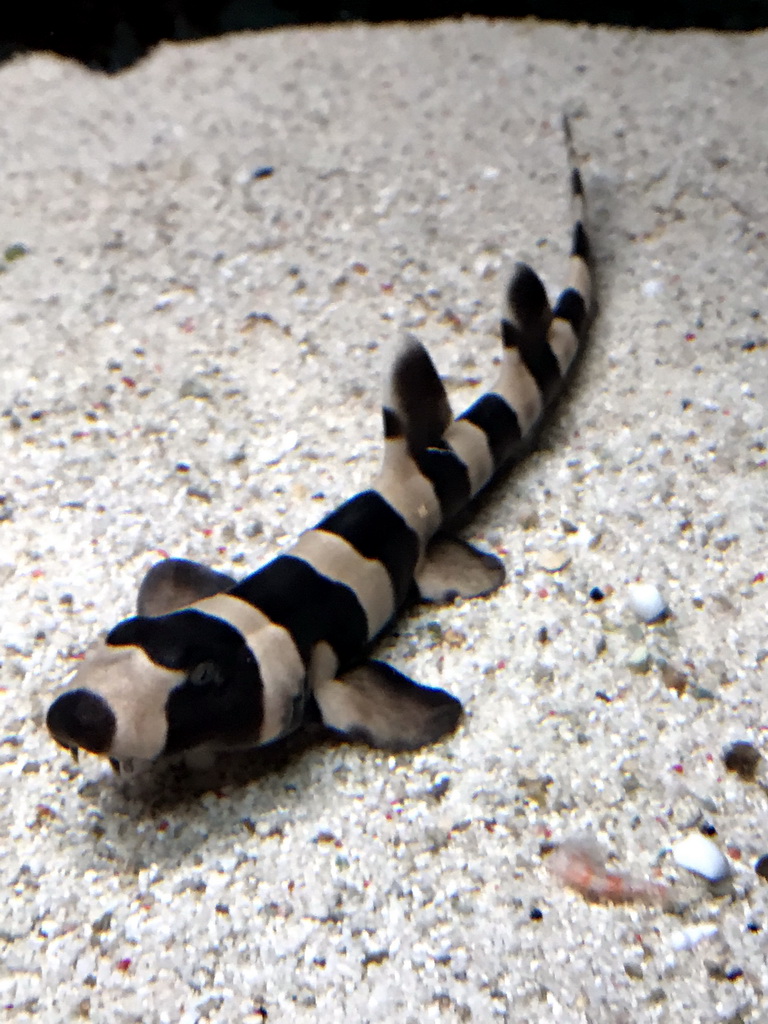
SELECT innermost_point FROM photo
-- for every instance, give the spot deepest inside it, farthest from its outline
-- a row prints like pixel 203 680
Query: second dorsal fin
pixel 417 398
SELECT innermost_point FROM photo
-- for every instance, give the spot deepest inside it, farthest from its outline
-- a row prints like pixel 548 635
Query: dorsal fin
pixel 417 398
pixel 525 326
pixel 528 313
pixel 175 583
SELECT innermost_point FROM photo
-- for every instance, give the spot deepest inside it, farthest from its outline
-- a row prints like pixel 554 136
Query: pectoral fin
pixel 175 583
pixel 386 709
pixel 453 568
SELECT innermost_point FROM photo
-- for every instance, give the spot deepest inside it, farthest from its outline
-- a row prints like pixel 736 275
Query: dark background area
pixel 111 34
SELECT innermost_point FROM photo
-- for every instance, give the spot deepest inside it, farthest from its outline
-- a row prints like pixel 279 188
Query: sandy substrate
pixel 192 357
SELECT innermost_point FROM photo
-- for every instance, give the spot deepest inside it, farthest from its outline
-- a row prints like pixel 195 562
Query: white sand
pixel 412 166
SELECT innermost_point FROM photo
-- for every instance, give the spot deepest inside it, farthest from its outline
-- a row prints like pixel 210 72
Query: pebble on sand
pixel 699 855
pixel 646 602
pixel 692 935
pixel 743 758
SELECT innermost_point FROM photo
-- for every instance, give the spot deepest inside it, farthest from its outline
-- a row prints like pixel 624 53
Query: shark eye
pixel 207 673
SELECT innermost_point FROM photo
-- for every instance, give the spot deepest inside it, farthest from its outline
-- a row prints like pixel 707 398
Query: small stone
pixel 700 856
pixel 743 758
pixel 715 970
pixel 723 543
pixel 193 387
pixel 646 602
pixel 702 693
pixel 709 805
pixel 639 660
pixel 535 789
pixel 199 493
pixel 630 783
pixel 692 935
pixel 761 867
pixel 674 679
pixel 15 252
pixel 454 637
pixel 437 838
pixel 553 561
pixel 6 508
pixel 440 788
pixel 103 923
pixel 376 957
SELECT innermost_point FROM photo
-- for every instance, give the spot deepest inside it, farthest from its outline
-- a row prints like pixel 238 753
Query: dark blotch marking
pixel 449 477
pixel 497 418
pixel 577 185
pixel 580 246
pixel 84 719
pixel 538 357
pixel 221 699
pixel 225 711
pixel 179 641
pixel 392 426
pixel 570 306
pixel 370 524
pixel 310 606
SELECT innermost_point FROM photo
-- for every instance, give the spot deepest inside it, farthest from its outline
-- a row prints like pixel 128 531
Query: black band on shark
pixel 310 606
pixel 493 415
pixel 370 524
pixel 449 477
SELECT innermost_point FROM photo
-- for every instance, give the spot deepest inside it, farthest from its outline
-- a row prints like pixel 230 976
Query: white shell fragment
pixel 698 854
pixel 553 561
pixel 687 938
pixel 646 601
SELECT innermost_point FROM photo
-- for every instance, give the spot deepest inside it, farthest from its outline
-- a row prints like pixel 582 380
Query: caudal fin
pixel 540 345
